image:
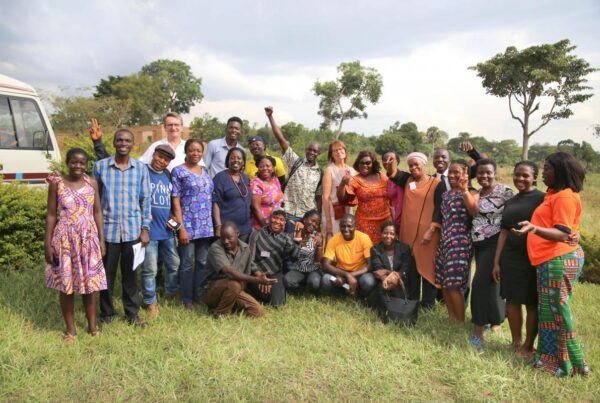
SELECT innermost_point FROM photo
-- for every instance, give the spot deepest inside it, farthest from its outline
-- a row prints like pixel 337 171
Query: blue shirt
pixel 160 200
pixel 233 201
pixel 125 198
pixel 214 157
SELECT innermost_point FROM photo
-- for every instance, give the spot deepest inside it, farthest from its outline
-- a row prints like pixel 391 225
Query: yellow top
pixel 349 255
pixel 251 169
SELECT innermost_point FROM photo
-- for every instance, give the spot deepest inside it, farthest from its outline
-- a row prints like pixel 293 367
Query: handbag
pixel 398 310
pixel 339 210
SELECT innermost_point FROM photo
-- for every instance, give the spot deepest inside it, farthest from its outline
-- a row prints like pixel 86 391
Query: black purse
pixel 399 310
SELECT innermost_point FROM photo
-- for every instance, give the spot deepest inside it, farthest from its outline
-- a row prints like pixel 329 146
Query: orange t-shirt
pixel 562 208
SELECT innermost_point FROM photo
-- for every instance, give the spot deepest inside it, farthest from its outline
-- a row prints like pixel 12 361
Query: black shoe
pixel 138 322
pixel 106 319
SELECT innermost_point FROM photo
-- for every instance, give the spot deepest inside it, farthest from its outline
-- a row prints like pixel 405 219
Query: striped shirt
pixel 125 198
pixel 270 249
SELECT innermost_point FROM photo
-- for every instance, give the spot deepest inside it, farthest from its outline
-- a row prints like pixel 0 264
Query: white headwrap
pixel 417 155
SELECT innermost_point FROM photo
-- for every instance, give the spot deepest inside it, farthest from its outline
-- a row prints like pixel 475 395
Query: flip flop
pixel 69 338
pixel 95 333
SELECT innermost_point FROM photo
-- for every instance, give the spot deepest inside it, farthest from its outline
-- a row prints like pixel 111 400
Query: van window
pixel 21 125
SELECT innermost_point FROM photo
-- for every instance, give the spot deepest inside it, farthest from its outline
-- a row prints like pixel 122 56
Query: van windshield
pixel 21 125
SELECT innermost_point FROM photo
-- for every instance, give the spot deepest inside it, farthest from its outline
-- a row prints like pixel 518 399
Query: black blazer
pixel 380 260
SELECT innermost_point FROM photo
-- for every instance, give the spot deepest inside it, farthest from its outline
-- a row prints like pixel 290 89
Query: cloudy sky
pixel 256 53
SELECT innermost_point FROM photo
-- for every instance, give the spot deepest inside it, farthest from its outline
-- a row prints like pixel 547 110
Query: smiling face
pixel 77 165
pixel 441 159
pixel 347 228
pixel 388 236
pixel 416 168
pixel 311 223
pixel 548 174
pixel 257 148
pixel 312 152
pixel 123 143
pixel 234 129
pixel 159 161
pixel 265 169
pixel 523 178
pixel 236 161
pixel 455 172
pixel 173 127
pixel 486 176
pixel 194 153
pixel 365 166
pixel 338 153
pixel 276 223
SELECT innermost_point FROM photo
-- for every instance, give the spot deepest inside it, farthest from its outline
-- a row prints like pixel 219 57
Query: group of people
pixel 234 232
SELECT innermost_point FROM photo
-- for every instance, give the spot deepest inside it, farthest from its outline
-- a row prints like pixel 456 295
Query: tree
pixel 346 97
pixel 434 135
pixel 548 70
pixel 180 89
pixel 74 114
pixel 206 128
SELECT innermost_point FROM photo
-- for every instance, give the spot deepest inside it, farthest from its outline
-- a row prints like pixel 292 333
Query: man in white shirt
pixel 214 157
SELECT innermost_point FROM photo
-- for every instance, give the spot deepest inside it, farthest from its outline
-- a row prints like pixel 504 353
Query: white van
pixel 27 142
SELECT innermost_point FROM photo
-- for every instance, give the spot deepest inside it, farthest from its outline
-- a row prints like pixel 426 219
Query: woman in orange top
pixel 370 189
pixel 559 264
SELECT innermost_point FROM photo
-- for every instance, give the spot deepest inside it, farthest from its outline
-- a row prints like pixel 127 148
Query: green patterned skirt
pixel 558 350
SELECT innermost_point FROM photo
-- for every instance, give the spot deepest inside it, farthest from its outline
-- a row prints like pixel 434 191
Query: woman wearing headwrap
pixel 417 229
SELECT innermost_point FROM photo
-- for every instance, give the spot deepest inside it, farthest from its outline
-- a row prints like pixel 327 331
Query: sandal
pixel 69 338
pixel 95 333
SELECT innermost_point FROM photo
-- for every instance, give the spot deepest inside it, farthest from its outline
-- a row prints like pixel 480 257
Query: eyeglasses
pixel 368 162
pixel 173 125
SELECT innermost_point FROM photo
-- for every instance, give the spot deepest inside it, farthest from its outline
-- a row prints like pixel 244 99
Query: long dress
pixel 336 179
pixel 453 260
pixel 373 205
pixel 417 215
pixel 75 242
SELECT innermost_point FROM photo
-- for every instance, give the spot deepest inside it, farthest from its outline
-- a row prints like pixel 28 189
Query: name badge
pixel 265 253
pixel 412 185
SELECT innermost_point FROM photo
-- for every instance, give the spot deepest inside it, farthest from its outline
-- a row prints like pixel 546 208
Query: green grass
pixel 311 349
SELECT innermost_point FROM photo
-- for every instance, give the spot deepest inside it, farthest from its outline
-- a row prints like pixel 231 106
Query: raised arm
pixel 96 136
pixel 283 143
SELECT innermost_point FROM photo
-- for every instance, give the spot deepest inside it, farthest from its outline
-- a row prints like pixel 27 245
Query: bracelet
pixel 466 192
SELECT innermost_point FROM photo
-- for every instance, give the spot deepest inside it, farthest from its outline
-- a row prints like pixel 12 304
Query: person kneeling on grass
pixel 228 268
pixel 346 260
pixel 271 246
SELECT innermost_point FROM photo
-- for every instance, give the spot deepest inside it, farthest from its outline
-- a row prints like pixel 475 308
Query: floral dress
pixel 271 197
pixel 75 242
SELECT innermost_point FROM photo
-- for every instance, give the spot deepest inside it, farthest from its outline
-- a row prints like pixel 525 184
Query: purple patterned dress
pixel 453 259
pixel 75 242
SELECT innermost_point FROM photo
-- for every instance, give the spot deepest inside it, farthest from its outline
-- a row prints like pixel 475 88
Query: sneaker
pixel 152 309
pixel 138 322
pixel 477 343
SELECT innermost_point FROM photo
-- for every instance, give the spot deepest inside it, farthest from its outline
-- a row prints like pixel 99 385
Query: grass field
pixel 311 349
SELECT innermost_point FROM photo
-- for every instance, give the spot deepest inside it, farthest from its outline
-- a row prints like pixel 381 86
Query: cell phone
pixel 173 225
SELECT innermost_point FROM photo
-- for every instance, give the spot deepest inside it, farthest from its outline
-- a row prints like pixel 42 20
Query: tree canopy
pixel 347 96
pixel 526 76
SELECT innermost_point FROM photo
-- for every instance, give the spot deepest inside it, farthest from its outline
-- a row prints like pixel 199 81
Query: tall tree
pixel 433 135
pixel 346 97
pixel 526 76
pixel 179 87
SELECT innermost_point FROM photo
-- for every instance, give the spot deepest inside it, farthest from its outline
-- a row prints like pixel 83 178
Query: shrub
pixel 591 247
pixel 22 223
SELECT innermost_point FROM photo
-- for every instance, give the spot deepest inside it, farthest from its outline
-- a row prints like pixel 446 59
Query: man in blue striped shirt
pixel 124 188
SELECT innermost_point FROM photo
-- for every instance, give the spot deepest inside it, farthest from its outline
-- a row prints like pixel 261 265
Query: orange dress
pixel 416 218
pixel 373 205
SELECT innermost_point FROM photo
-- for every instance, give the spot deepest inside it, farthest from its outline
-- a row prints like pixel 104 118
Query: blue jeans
pixel 192 254
pixel 164 251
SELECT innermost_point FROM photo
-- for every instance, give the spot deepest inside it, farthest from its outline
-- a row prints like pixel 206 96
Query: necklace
pixel 242 194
